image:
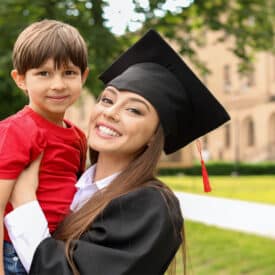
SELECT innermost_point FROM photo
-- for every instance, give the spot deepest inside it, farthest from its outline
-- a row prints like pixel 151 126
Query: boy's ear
pixel 19 79
pixel 85 75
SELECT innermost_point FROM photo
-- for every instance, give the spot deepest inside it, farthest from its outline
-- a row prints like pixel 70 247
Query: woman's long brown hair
pixel 140 172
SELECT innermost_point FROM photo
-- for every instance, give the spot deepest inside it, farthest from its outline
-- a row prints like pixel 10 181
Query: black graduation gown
pixel 137 234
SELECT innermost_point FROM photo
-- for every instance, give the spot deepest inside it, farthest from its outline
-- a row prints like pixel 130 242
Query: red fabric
pixel 205 178
pixel 23 137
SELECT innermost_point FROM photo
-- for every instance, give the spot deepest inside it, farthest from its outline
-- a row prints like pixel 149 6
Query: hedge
pixel 222 168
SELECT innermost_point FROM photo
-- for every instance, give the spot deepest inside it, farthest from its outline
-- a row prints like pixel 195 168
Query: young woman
pixel 123 220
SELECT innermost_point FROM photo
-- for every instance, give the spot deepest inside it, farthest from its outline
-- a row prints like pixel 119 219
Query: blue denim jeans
pixel 12 264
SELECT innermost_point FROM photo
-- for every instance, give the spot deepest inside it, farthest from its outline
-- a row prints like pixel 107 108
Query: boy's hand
pixel 26 184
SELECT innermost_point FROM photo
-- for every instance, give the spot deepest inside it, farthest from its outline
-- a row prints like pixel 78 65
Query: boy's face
pixel 51 90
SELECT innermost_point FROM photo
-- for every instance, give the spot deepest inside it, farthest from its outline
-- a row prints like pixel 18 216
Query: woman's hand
pixel 26 184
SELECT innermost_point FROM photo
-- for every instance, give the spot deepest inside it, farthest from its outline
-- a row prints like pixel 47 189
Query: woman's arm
pixel 6 187
pixel 136 234
pixel 27 227
pixel 26 184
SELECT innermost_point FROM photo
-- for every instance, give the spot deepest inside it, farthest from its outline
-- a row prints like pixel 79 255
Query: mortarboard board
pixel 152 69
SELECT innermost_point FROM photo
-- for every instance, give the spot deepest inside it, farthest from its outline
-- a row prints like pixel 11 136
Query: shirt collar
pixel 87 179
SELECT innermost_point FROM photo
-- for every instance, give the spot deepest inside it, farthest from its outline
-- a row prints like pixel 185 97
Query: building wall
pixel 250 101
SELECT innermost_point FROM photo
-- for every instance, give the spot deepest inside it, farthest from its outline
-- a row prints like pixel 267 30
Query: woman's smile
pixel 106 131
pixel 121 123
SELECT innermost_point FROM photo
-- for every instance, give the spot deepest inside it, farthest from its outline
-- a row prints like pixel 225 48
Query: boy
pixel 50 67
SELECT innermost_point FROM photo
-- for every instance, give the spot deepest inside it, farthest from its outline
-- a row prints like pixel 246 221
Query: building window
pixel 226 78
pixel 204 80
pixel 205 152
pixel 248 130
pixel 250 133
pixel 205 142
pixel 227 142
pixel 250 79
pixel 272 129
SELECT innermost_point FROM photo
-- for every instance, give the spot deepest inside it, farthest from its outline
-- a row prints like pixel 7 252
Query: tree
pixel 250 22
pixel 87 16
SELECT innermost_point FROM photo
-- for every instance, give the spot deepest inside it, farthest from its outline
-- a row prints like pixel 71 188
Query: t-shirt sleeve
pixel 83 149
pixel 18 147
pixel 135 235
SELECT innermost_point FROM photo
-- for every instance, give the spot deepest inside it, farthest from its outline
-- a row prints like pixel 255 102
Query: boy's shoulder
pixel 21 122
pixel 15 119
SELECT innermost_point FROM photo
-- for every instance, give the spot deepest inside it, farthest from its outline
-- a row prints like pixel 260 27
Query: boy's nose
pixel 58 83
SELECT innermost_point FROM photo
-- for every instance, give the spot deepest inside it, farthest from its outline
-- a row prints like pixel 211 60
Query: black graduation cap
pixel 152 69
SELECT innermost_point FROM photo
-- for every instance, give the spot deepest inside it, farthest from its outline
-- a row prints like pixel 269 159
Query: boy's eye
pixel 70 72
pixel 43 73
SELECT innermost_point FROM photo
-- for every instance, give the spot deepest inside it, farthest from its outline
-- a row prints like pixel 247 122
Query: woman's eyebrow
pixel 110 89
pixel 134 99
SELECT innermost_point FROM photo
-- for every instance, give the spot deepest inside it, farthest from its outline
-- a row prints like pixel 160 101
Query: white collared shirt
pixel 86 187
pixel 27 225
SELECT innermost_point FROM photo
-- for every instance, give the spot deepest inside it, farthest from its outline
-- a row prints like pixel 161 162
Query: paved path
pixel 256 218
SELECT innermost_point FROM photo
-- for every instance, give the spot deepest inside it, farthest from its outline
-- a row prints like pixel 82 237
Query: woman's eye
pixel 134 111
pixel 106 100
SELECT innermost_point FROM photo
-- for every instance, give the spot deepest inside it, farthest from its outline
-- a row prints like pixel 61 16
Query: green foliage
pixel 86 16
pixel 223 168
pixel 11 100
pixel 215 251
pixel 251 23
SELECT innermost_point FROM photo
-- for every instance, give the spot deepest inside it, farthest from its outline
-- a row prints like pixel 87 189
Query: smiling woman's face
pixel 122 123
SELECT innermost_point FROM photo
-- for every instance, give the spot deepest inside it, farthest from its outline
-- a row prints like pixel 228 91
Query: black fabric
pixel 152 69
pixel 137 234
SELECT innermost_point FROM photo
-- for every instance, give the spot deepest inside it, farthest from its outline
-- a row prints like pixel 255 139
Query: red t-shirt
pixel 23 137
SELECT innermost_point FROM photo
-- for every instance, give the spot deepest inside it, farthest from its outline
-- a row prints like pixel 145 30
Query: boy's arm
pixel 6 187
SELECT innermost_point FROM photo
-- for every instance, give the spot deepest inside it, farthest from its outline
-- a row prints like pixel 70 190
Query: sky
pixel 120 13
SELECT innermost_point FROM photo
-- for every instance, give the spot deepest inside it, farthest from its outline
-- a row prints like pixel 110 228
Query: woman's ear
pixel 19 79
pixel 85 75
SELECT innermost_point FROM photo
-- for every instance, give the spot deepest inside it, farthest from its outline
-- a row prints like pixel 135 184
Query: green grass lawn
pixel 249 188
pixel 214 251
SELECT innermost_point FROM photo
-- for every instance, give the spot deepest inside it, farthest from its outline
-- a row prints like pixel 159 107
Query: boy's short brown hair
pixel 49 39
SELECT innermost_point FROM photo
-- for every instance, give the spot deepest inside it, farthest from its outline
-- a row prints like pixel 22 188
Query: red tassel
pixel 205 178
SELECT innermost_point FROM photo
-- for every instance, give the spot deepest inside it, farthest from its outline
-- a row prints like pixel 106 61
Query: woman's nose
pixel 112 113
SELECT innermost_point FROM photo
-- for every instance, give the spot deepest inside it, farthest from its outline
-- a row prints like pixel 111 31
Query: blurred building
pixel 249 99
